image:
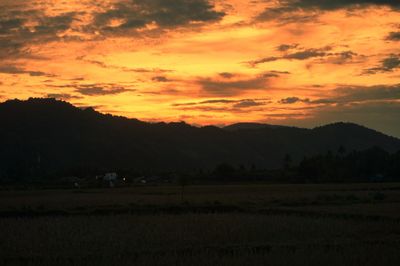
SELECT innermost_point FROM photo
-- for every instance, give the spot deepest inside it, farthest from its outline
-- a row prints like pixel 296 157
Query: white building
pixel 111 178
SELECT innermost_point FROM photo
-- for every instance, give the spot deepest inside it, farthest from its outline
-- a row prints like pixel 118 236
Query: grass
pixel 216 225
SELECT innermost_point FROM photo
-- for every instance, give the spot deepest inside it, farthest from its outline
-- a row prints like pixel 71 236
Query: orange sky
pixel 293 62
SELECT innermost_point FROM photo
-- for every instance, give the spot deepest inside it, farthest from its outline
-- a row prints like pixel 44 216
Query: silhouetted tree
pixel 341 151
pixel 183 182
pixel 287 161
pixel 224 170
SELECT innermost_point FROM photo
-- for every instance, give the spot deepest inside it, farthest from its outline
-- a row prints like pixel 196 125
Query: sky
pixel 290 62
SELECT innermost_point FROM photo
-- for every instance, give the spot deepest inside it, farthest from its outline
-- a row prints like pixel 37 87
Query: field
pixel 347 224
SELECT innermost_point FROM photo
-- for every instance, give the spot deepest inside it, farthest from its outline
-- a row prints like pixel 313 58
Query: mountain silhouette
pixel 51 138
pixel 245 126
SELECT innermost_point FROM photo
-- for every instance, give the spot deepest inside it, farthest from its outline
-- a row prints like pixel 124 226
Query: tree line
pixel 371 165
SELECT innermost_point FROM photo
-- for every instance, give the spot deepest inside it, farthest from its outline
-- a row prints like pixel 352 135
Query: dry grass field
pixel 347 224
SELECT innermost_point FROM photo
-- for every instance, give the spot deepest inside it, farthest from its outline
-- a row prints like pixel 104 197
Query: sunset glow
pixel 292 62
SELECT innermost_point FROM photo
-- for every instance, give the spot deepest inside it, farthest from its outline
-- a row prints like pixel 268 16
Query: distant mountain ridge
pixel 247 126
pixel 57 138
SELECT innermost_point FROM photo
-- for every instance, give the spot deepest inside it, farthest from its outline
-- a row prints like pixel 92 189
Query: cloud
pixel 232 87
pixel 263 60
pixel 137 14
pixel 160 79
pixel 356 94
pixel 346 95
pixel 63 96
pixel 306 54
pixel 232 84
pixel 342 58
pixel 388 64
pixel 391 63
pixel 299 10
pixel 225 105
pixel 286 47
pixel 227 75
pixel 279 72
pixel 324 55
pixel 248 103
pixel 215 101
pixel 9 24
pixel 285 14
pixel 122 68
pixel 393 36
pixel 95 90
pixel 303 54
pixel 16 70
pixel 218 101
pixel 367 93
pixel 22 28
pixel 24 25
pixel 339 4
pixel 292 100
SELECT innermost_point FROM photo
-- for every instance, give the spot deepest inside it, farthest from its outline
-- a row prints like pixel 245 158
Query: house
pixel 377 178
pixel 110 178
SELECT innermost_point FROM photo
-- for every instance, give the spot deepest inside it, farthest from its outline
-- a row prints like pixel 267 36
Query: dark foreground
pixel 212 225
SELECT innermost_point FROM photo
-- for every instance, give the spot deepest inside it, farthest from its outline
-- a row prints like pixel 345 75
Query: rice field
pixel 354 224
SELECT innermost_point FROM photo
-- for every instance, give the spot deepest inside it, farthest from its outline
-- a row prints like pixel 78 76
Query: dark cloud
pixel 231 84
pixel 22 26
pixel 161 79
pixel 264 60
pixel 388 64
pixel 306 54
pixel 292 100
pixel 19 29
pixel 271 75
pixel 285 14
pixel 339 4
pixel 227 75
pixel 297 55
pixel 225 105
pixel 16 70
pixel 96 90
pixel 288 9
pixel 232 87
pixel 342 58
pixel 216 101
pixel 122 68
pixel 279 72
pixel 391 63
pixel 164 91
pixel 63 96
pixel 393 36
pixel 248 103
pixel 223 101
pixel 136 14
pixel 286 47
pixel 209 108
pixel 367 93
pixel 325 101
pixel 50 26
pixel 352 94
pixel 9 24
pixel 356 94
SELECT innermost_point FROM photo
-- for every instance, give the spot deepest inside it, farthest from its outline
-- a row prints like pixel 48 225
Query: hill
pixel 47 137
pixel 246 126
